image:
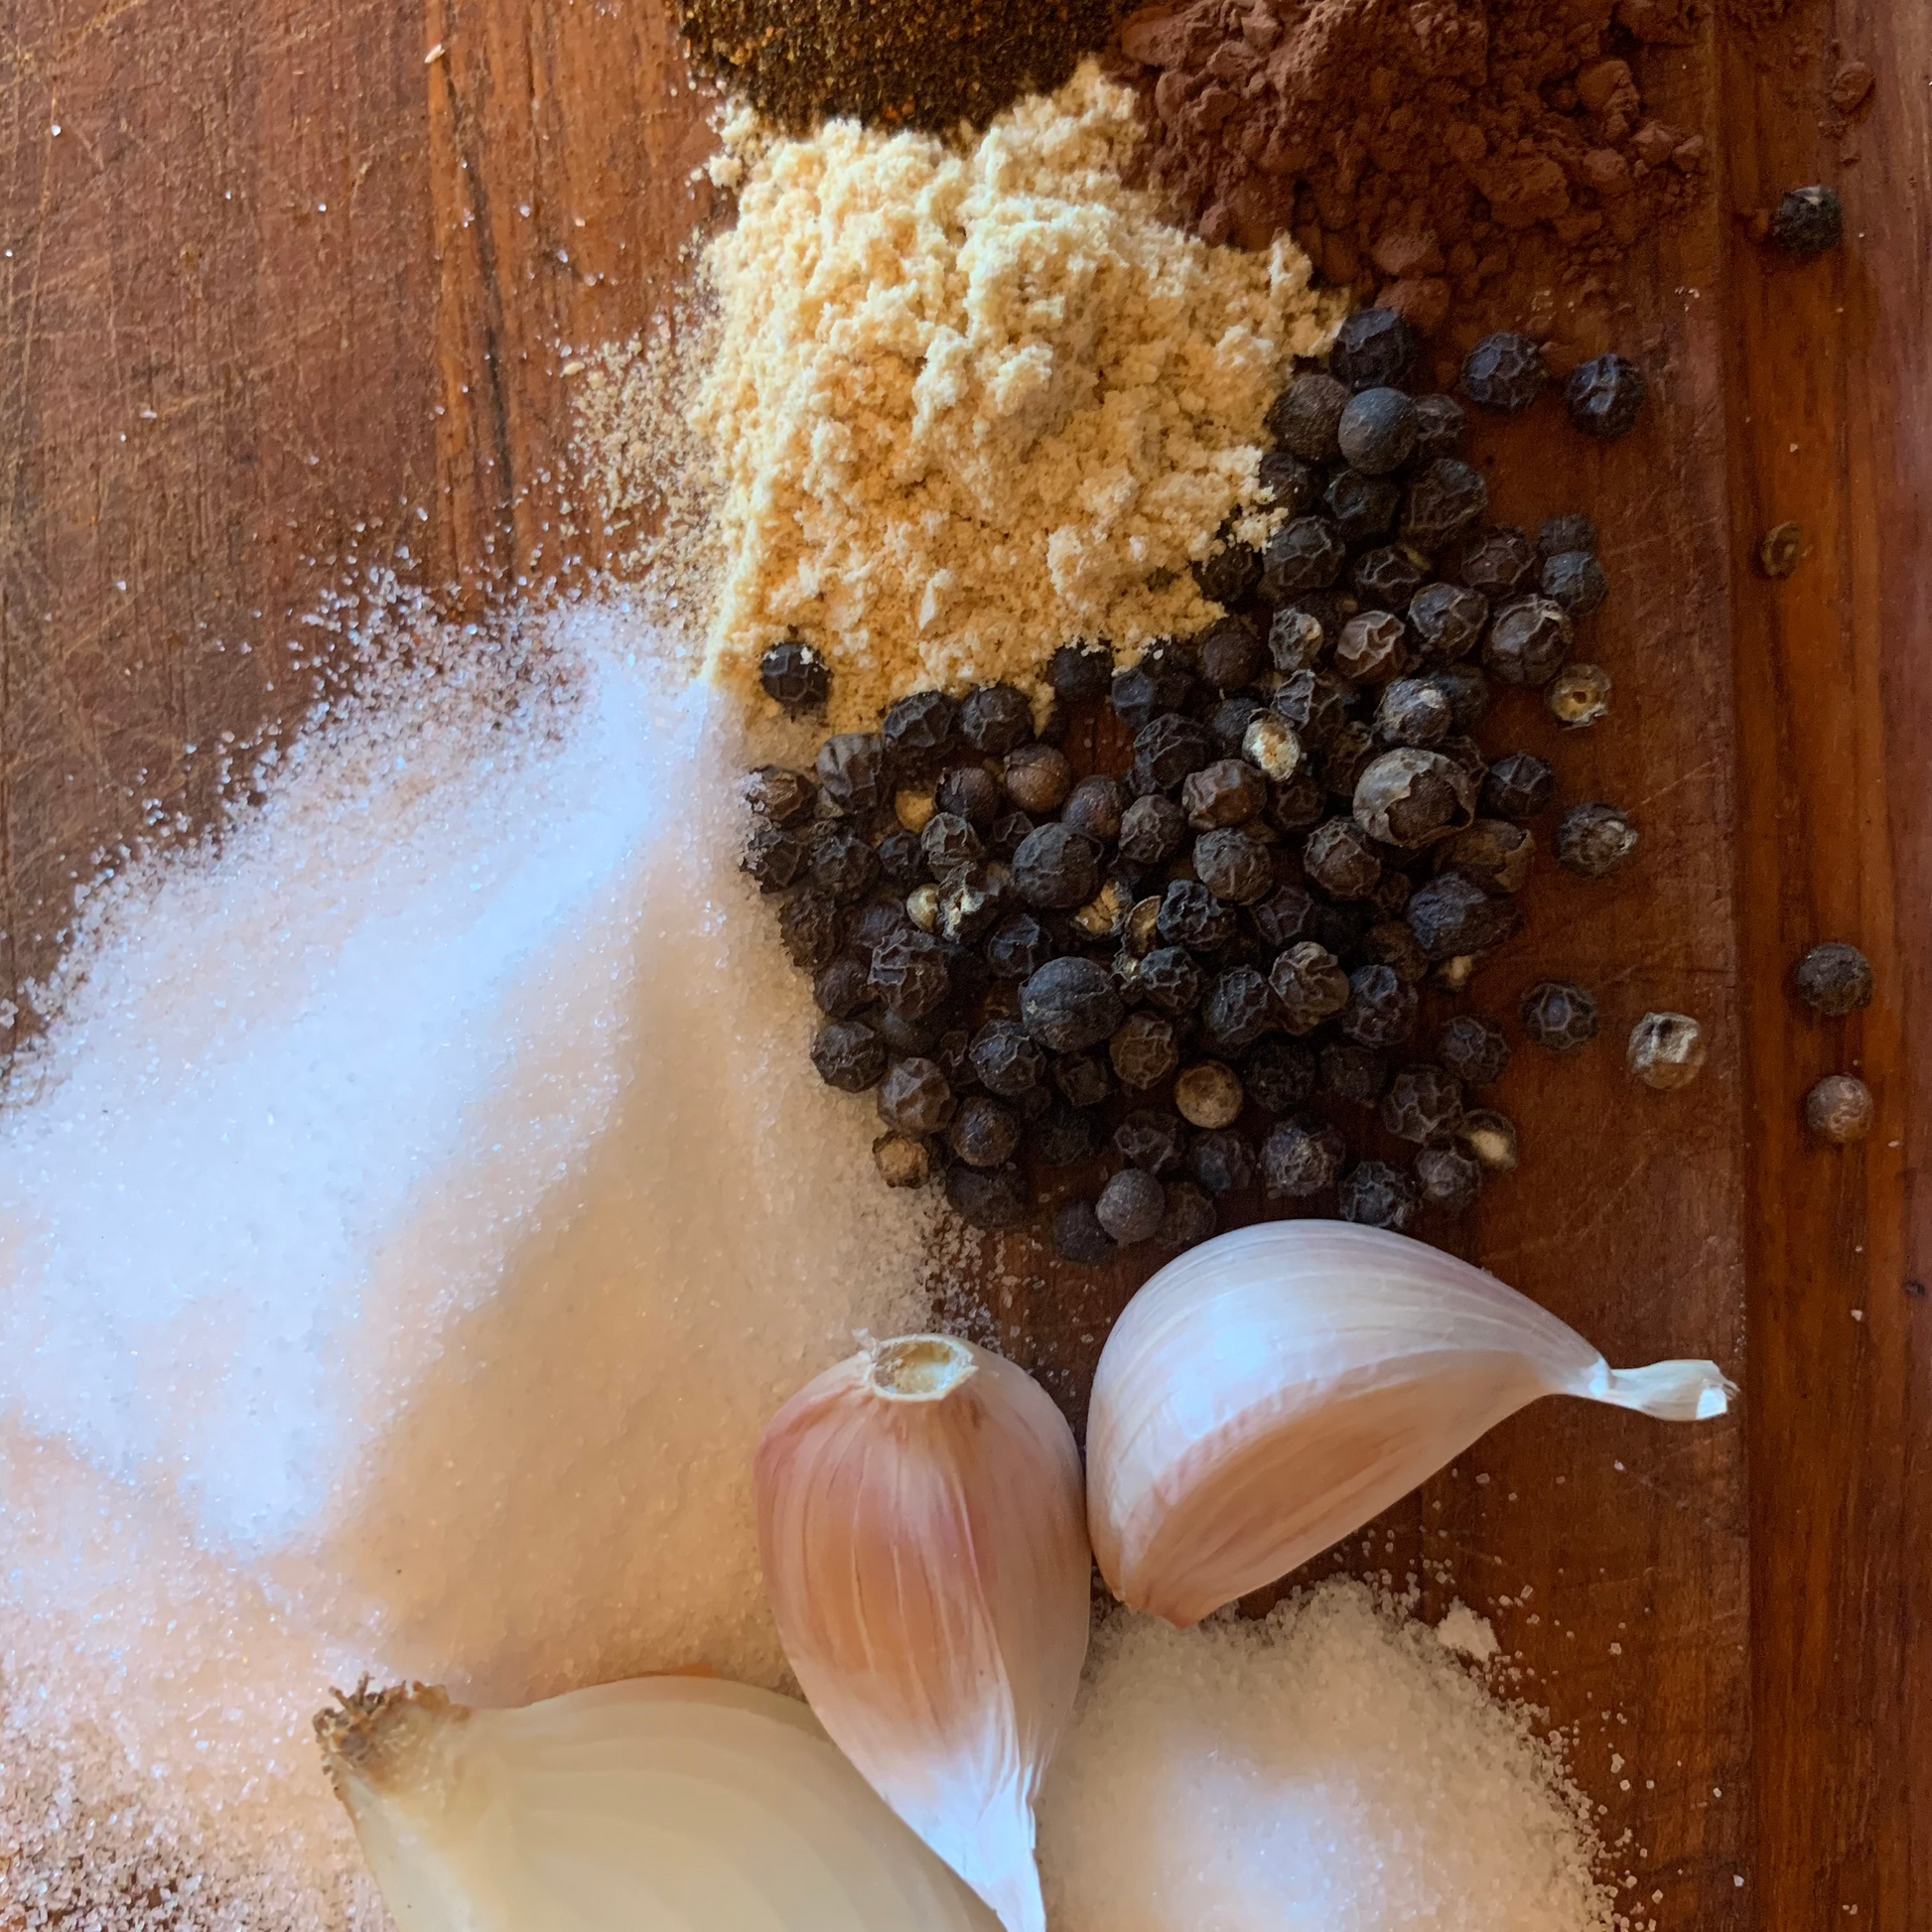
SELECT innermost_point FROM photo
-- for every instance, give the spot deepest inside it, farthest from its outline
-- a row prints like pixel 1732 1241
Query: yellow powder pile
pixel 969 404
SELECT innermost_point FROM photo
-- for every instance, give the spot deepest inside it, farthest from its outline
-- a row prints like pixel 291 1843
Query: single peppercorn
pixel 1475 1049
pixel 1170 980
pixel 1228 573
pixel 1373 347
pixel 1151 1139
pixel 1503 372
pixel 843 988
pixel 1339 858
pixel 1453 915
pixel 1519 785
pixel 1007 1059
pixel 1208 1094
pixel 920 729
pixel 1227 792
pixel 1317 704
pixel 1282 917
pixel 1387 577
pixel 1441 425
pixel 1191 916
pixel 991 1199
pixel 1305 554
pixel 995 719
pixel 1085 1079
pixel 1361 508
pixel 1412 797
pixel 1305 415
pixel 1593 840
pixel 971 793
pixel 1381 1009
pixel 983 1133
pixel 1839 1109
pixel 1143 1051
pixel 1189 1219
pixel 779 796
pixel 1578 696
pixel 1391 943
pixel 1038 779
pixel 873 924
pixel 1104 916
pixel 1377 431
pixel 1528 641
pixel 1559 1015
pixel 1080 673
pixel 1287 482
pixel 1346 757
pixel 1301 1158
pixel 1055 867
pixel 911 974
pixel 1167 750
pixel 843 865
pixel 1070 1003
pixel 1833 979
pixel 1809 222
pixel 1221 1162
pixel 1497 562
pixel 1298 804
pixel 1443 502
pixel 811 929
pixel 1018 947
pixel 1064 1136
pixel 1494 852
pixel 1574 580
pixel 795 676
pixel 1606 395
pixel 1423 1104
pixel 948 843
pixel 1229 653
pixel 852 771
pixel 1353 1074
pixel 1151 829
pixel 771 856
pixel 1389 898
pixel 1373 647
pixel 1781 549
pixel 1413 712
pixel 1448 1179
pixel 1235 867
pixel 1467 691
pixel 1272 746
pixel 1279 1075
pixel 1078 1236
pixel 1447 619
pixel 1571 532
pixel 1143 927
pixel 1228 721
pixel 1237 1009
pixel 1309 986
pixel 1379 1196
pixel 848 1055
pixel 902 1160
pixel 916 1098
pixel 1666 1050
pixel 1296 639
pixel 1132 1206
pixel 1157 684
pixel 1489 1139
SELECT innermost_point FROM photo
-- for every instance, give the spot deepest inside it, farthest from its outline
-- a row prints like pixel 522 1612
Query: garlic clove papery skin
pixel 921 1525
pixel 1270 1391
pixel 665 1804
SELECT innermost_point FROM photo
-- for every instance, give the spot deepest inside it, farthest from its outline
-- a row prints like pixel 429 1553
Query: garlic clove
pixel 665 1804
pixel 920 1520
pixel 1271 1390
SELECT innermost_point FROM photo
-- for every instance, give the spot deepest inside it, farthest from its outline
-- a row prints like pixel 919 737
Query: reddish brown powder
pixel 1420 150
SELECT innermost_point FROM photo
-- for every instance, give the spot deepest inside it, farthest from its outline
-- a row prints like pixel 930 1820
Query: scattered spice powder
pixel 969 405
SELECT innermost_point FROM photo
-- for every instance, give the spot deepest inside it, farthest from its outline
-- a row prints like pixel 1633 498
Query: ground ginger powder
pixel 971 403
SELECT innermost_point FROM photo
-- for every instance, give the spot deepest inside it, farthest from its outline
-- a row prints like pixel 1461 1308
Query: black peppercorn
pixel 873 924
pixel 1309 985
pixel 916 1098
pixel 983 1133
pixel 1423 1104
pixel 1287 484
pixel 1221 1162
pixel 1388 898
pixel 1448 620
pixel 1080 673
pixel 1560 1016
pixel 795 676
pixel 1298 804
pixel 995 719
pixel 1007 1059
pixel 1809 222
pixel 1473 1049
pixel 1064 1136
pixel 1372 346
pixel 843 988
pixel 1571 532
pixel 848 1055
pixel 771 856
pixel 1282 917
pixel 1235 867
pixel 1305 554
pixel 1191 916
pixel 1296 639
pixel 1151 1139
pixel 1132 1206
pixel 1143 1051
pixel 1390 943
pixel 1226 793
pixel 1057 867
pixel 948 844
pixel 1038 779
pixel 1070 1003
pixel 971 793
pixel 1497 562
pixel 1443 502
pixel 1078 1236
pixel 1151 829
pixel 1189 1219
pixel 1317 704
pixel 779 796
pixel 1835 979
pixel 1085 1079
pixel 1167 748
pixel 1489 1139
pixel 1574 580
pixel 1353 1074
pixel 1372 648
pixel 852 771
pixel 1466 690
pixel 1520 785
pixel 1413 711
pixel 991 1199
pixel 1412 797
pixel 1237 1009
pixel 1228 573
pixel 1448 1179
pixel 1503 372
pixel 1451 917
pixel 919 729
pixel 1595 840
pixel 1381 1009
pixel 1228 721
pixel 1361 508
pixel 1528 641
pixel 1159 682
pixel 1280 1074
pixel 1377 432
pixel 1605 395
pixel 1305 415
pixel 1387 577
pixel 1346 757
pixel 1494 852
pixel 1441 425
pixel 1340 860
pixel 910 974
pixel 1230 654
pixel 1019 946
pixel 1171 981
pixel 843 865
pixel 1093 809
pixel 811 929
pixel 1301 1158
pixel 902 1160
pixel 1379 1196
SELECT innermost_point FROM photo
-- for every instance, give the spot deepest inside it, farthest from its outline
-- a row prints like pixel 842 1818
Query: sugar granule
pixel 413 1215
pixel 1331 1768
pixel 969 404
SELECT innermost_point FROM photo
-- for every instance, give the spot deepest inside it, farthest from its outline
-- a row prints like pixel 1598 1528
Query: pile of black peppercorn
pixel 1115 1000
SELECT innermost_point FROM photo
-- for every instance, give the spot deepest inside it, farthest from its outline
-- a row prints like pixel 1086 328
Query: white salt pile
pixel 412 1220
pixel 1331 1768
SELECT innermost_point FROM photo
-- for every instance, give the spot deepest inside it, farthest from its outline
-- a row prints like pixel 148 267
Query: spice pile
pixel 1208 970
pixel 968 404
pixel 1420 151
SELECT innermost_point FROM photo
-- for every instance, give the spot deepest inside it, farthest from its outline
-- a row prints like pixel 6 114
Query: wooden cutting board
pixel 291 290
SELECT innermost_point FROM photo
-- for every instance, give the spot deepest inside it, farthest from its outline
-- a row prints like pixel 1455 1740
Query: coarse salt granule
pixel 413 1216
pixel 971 402
pixel 1331 1768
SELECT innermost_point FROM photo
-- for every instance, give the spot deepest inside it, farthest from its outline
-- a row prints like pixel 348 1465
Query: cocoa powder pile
pixel 1419 151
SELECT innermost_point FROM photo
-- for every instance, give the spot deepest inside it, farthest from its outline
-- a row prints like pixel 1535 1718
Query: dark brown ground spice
pixel 922 63
pixel 1420 151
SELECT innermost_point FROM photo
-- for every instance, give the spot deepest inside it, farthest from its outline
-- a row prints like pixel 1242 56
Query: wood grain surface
pixel 289 296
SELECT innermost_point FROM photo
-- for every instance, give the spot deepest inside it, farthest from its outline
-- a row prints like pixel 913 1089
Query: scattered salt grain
pixel 1331 1768
pixel 408 1223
